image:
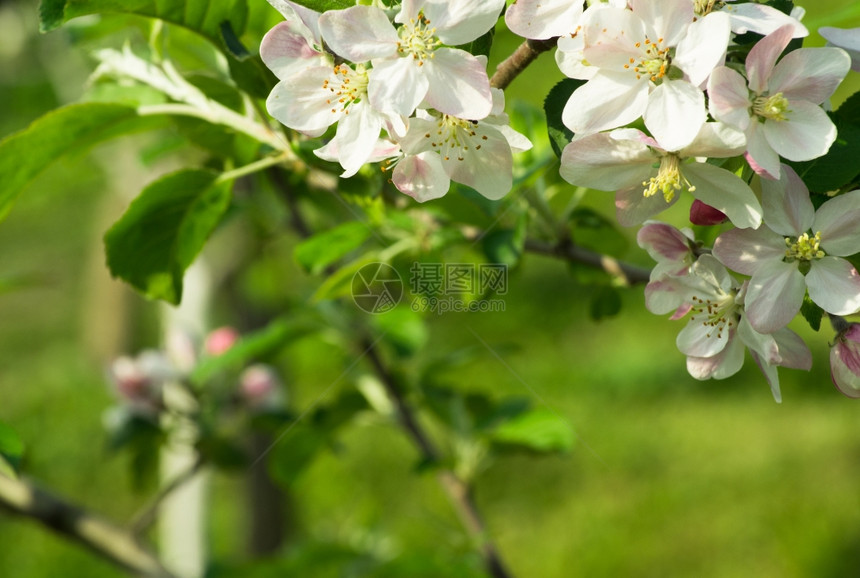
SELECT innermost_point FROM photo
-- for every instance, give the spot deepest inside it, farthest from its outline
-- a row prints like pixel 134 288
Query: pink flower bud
pixel 260 386
pixel 138 381
pixel 845 361
pixel 702 214
pixel 220 340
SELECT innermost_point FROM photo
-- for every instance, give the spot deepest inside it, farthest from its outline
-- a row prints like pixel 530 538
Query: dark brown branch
pixel 630 274
pixel 101 536
pixel 458 491
pixel 513 65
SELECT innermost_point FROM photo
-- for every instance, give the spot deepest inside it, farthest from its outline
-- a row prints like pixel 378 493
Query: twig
pixel 457 490
pixel 105 538
pixel 629 274
pixel 148 514
pixel 513 65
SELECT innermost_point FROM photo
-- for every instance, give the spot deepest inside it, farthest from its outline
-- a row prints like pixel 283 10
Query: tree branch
pixel 513 65
pixel 101 536
pixel 629 274
pixel 458 491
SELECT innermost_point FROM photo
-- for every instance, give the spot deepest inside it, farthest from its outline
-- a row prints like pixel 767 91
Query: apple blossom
pixel 638 53
pixel 138 381
pixel 675 252
pixel 638 167
pixel 543 19
pixel 799 249
pixel 411 63
pixel 778 107
pixel 440 148
pixel 718 330
pixel 845 361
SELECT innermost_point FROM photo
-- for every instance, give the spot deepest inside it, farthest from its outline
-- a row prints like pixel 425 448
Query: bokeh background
pixel 668 476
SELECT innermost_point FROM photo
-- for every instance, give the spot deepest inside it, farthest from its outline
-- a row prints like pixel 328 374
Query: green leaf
pixel 202 16
pixel 323 5
pixel 812 313
pixel 849 111
pixel 506 246
pixel 11 450
pixel 403 328
pixel 553 106
pixel 339 283
pixel 323 249
pixel 25 154
pixel 164 229
pixel 251 347
pixel 539 430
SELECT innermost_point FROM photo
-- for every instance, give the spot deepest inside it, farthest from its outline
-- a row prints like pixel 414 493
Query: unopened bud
pixel 702 214
pixel 220 340
pixel 260 386
pixel 845 361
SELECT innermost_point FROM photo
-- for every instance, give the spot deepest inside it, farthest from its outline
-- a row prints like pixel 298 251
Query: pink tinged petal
pixel 358 130
pixel 359 34
pixel 669 19
pixel 663 242
pixel 716 140
pixel 610 36
pixel 762 19
pixel 303 104
pixel 414 141
pixel 458 84
pixel 747 250
pixel 287 49
pixel 700 339
pixel 488 170
pixel 607 101
pixel 763 56
pixel 845 363
pixel 771 374
pixel 422 177
pixel 675 114
pixel 838 220
pixel 762 345
pixel 810 74
pixel 805 134
pixel 724 191
pixel 834 285
pixel 664 295
pixel 461 21
pixel 729 97
pixel 634 208
pixel 788 209
pixel 760 155
pixel 702 214
pixel 725 364
pixel 793 351
pixel 601 162
pixel 703 47
pixel 397 86
pixel 542 19
pixel 846 39
pixel 774 296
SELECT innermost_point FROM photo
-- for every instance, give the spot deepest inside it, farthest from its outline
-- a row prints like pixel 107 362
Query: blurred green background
pixel 668 477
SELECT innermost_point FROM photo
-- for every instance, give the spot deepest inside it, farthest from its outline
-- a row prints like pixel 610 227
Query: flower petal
pixel 762 57
pixel 489 170
pixel 846 39
pixel 703 47
pixel 461 21
pixel 700 339
pixel 810 74
pixel 729 97
pixel 724 191
pixel 720 366
pixel 663 242
pixel 458 84
pixel 675 114
pixel 302 103
pixel 746 250
pixel 762 19
pixel 716 140
pixel 543 19
pixel 633 208
pixel 359 33
pixel 396 85
pixel 837 220
pixel 774 296
pixel 607 101
pixel 806 134
pixel 834 285
pixel 422 177
pixel 358 131
pixel 602 162
pixel 760 155
pixel 288 48
pixel 669 19
pixel 787 207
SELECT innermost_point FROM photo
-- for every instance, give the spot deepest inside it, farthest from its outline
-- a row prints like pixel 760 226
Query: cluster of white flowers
pixel 665 88
pixel 661 65
pixel 398 91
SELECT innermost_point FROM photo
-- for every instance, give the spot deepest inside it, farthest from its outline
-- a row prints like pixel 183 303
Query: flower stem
pixel 513 65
